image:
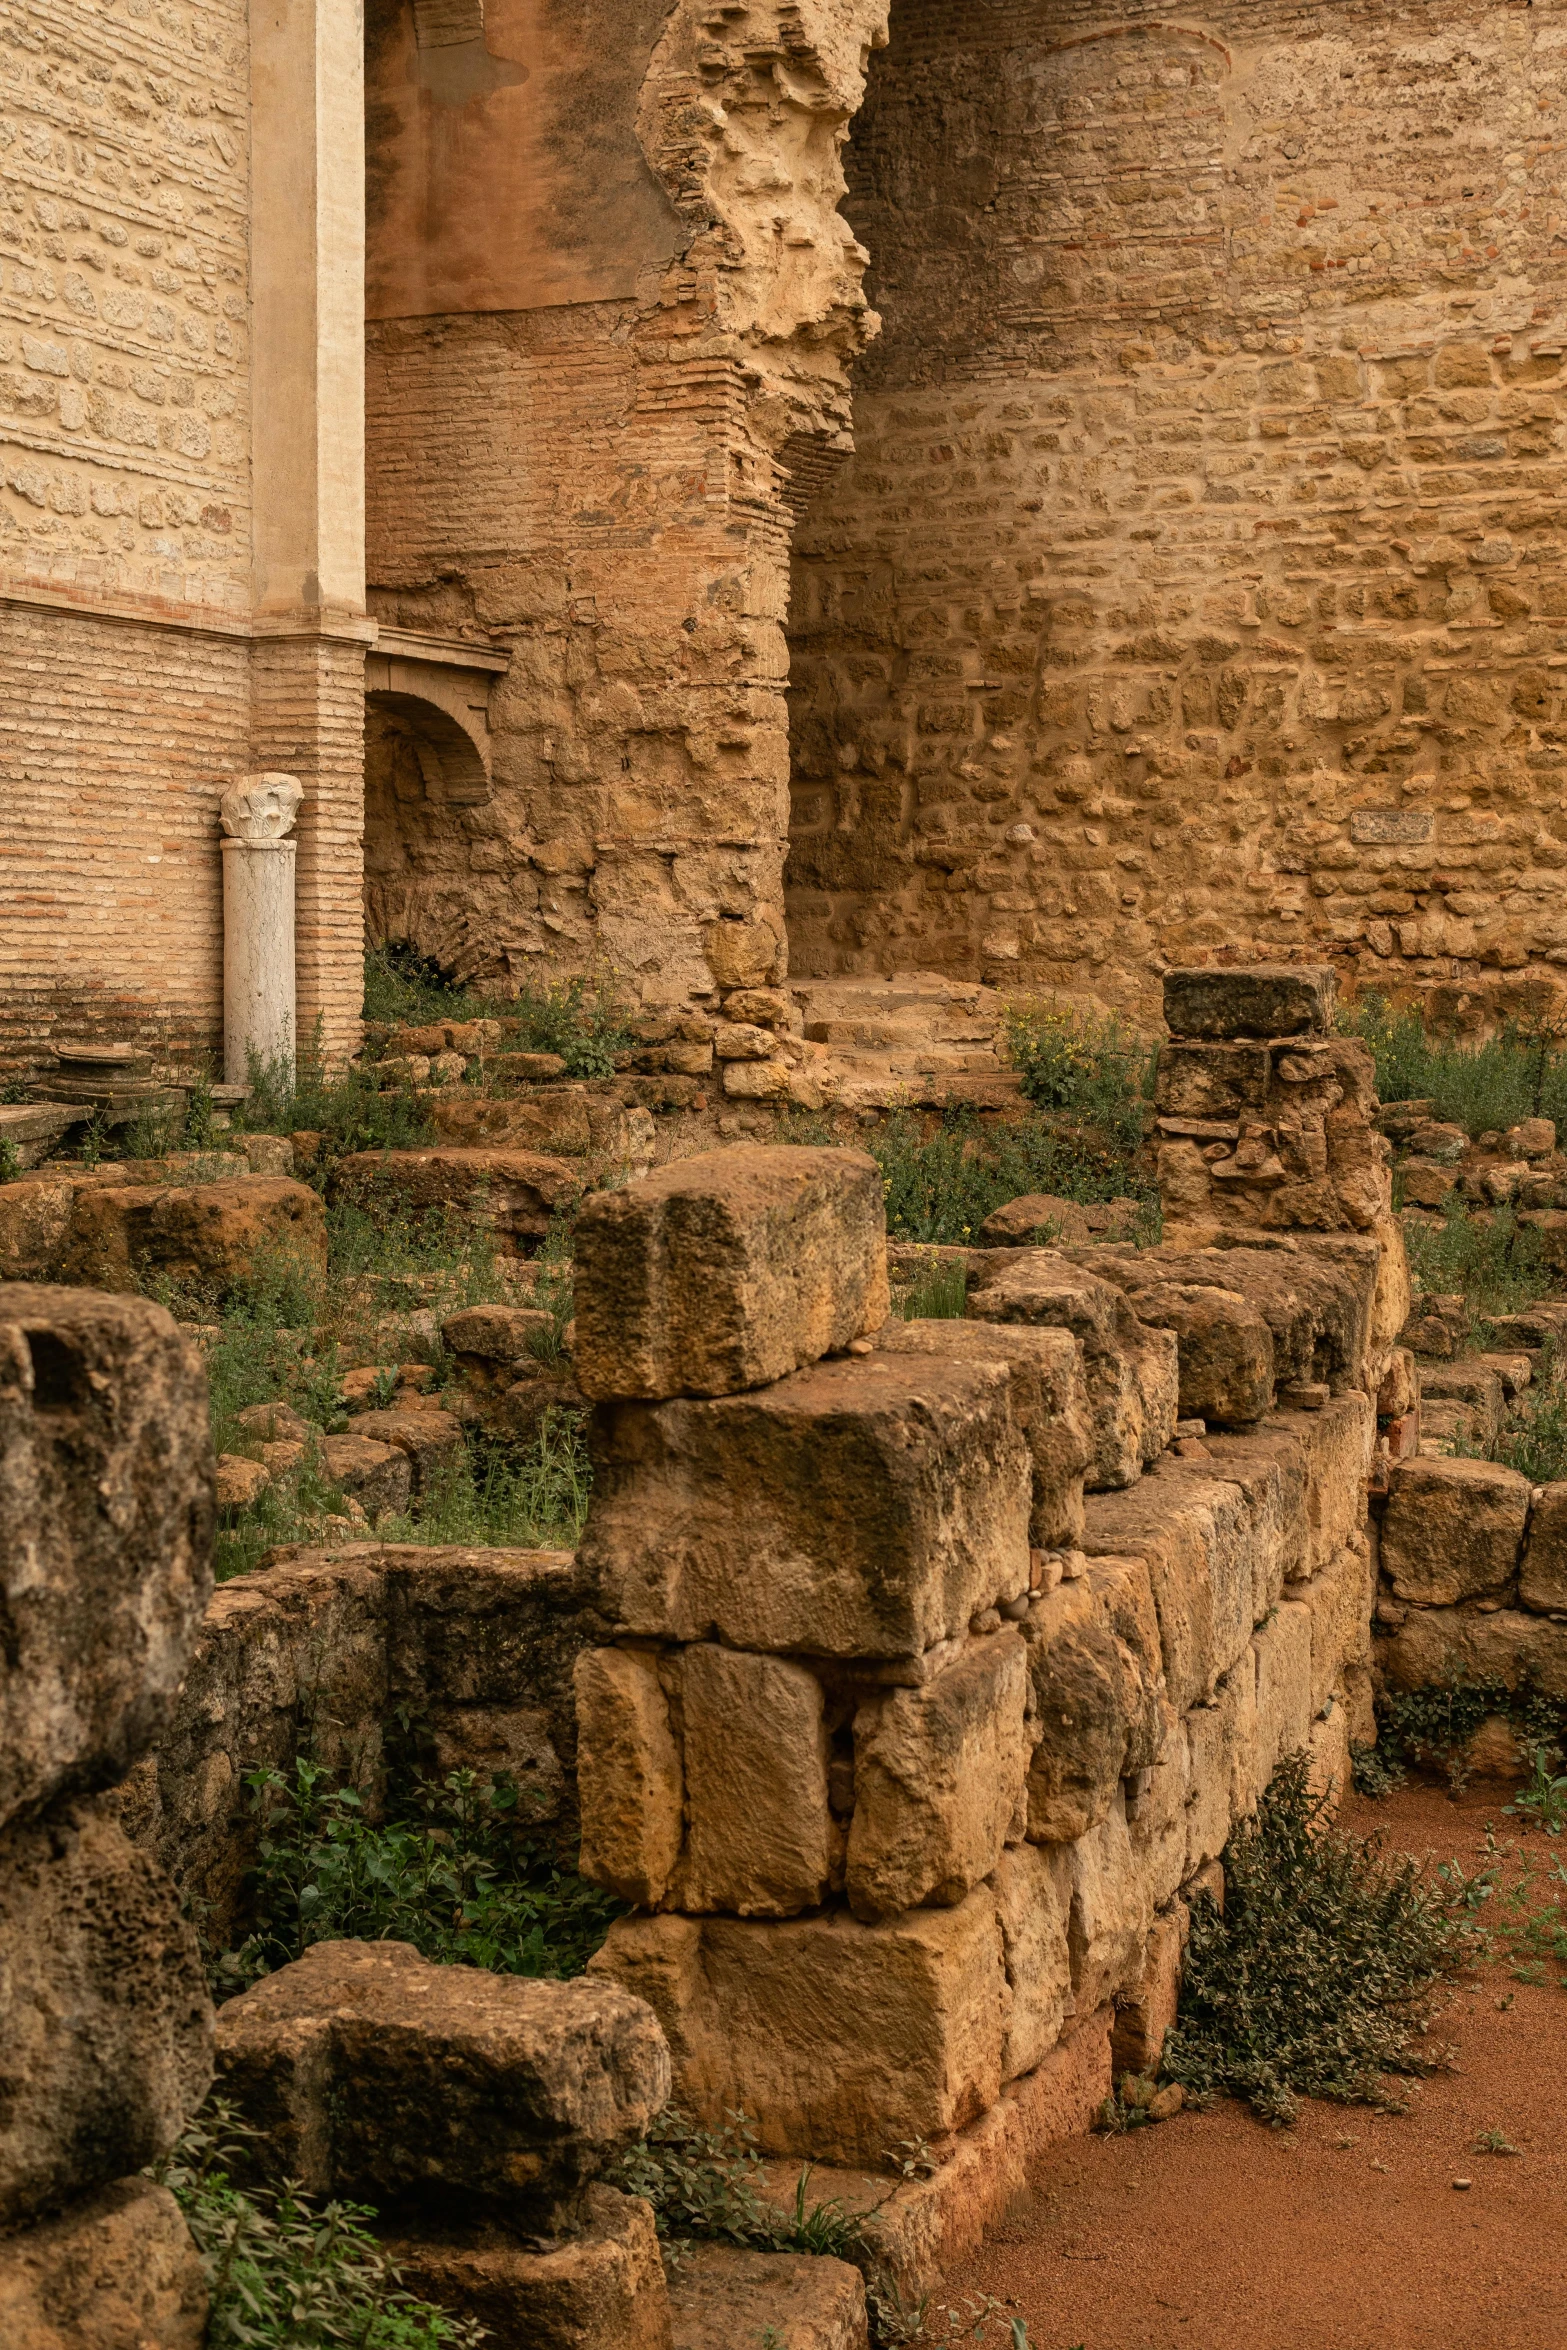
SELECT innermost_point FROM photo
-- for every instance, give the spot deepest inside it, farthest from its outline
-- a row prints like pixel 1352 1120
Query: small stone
pixel 1073 1564
pixel 1166 2103
pixel 1461 2186
pixel 987 1620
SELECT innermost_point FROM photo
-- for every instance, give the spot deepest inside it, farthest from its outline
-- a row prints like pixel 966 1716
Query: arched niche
pixel 427 798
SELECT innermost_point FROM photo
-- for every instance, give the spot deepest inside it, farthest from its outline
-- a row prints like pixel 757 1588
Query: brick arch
pixel 427 811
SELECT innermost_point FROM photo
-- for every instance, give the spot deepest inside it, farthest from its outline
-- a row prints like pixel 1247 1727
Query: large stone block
pixel 1317 1295
pixel 35 1217
pixel 861 1508
pixel 1225 1350
pixel 370 2073
pixel 629 1780
pixel 938 1781
pixel 841 2039
pixel 211 1238
pixel 723 2299
pixel 600 2287
pixel 1098 1681
pixel 1271 1483
pixel 1542 1580
pixel 1265 1000
pixel 1033 1889
pixel 1453 1529
pixel 1146 2012
pixel 1337 1443
pixel 518 1193
pixel 723 1272
pixel 106 1516
pixel 1221 1739
pixel 1130 1370
pixel 1049 1404
pixel 1437 1645
pixel 117 2271
pixel 105 2022
pixel 1339 1603
pixel 1194 1536
pixel 1282 1648
pixel 1110 1914
pixel 761 1841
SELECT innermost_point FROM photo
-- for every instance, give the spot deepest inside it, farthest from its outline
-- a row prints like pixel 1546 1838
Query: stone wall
pixel 1195 587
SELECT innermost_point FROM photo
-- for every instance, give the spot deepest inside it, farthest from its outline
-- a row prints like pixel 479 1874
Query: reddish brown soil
pixel 1213 2232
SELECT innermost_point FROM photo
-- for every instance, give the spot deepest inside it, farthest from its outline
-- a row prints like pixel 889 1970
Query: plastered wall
pixel 1196 587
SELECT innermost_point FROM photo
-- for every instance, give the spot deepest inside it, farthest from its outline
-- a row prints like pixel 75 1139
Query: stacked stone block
pixel 105 2023
pixel 934 1672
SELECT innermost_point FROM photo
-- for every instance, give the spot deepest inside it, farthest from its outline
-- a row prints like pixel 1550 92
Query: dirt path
pixel 1213 2232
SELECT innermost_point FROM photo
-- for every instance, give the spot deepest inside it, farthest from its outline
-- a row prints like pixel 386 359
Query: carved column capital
pixel 260 809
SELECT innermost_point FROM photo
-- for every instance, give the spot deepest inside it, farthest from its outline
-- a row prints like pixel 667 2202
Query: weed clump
pixel 1098 1070
pixel 941 1185
pixel 1312 1979
pixel 1520 1073
pixel 1498 1265
pixel 454 1871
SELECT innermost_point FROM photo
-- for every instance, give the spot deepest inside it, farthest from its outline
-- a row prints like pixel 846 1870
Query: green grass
pixel 1099 1071
pixel 941 1185
pixel 1313 1980
pixel 585 1019
pixel 941 1295
pixel 285 2272
pixel 1485 1088
pixel 1498 1266
pixel 453 1870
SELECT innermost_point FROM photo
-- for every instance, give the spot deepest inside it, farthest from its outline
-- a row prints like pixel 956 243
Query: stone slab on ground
pixel 602 2287
pixel 207 1237
pixel 723 2299
pixel 116 2271
pixel 518 1192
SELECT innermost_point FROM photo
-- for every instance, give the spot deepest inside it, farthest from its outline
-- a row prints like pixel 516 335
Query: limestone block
pixel 209 1237
pixel 600 2287
pixel 1110 1913
pixel 1440 1644
pixel 105 2022
pixel 378 1476
pixel 1225 1351
pixel 34 1219
pixel 1338 1443
pixel 723 2298
pixel 1283 1651
pixel 431 1440
pixel 1400 1388
pixel 1221 1739
pixel 629 1778
pixel 1329 1770
pixel 1453 1529
pixel 106 1516
pixel 860 1508
pixel 556 1120
pixel 517 1192
pixel 1339 1601
pixel 1213 1083
pixel 373 2074
pixel 840 2038
pixel 938 1778
pixel 1265 1000
pixel 1098 1678
pixel 1033 1889
pixel 1049 1404
pixel 1156 1805
pixel 1269 1473
pixel 1193 1534
pixel 1036 1220
pixel 117 2271
pixel 757 1081
pixel 722 1272
pixel 498 1336
pixel 761 1841
pixel 1146 2011
pixel 1130 1370
pixel 1318 1296
pixel 1542 1584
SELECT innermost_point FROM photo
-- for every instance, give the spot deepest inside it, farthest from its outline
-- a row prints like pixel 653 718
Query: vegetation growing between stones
pixel 1433 1728
pixel 453 1869
pixel 1098 1070
pixel 1533 1438
pixel 942 1184
pixel 1312 1981
pixel 286 2273
pixel 586 1020
pixel 1487 1087
pixel 1498 1265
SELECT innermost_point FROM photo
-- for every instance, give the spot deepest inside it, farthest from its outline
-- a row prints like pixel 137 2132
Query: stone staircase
pixel 915 1038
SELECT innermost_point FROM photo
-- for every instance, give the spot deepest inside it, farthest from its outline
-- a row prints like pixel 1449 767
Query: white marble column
pixel 257 815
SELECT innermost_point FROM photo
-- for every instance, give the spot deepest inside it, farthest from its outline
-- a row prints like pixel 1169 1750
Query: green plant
pixel 1312 1980
pixel 1494 2142
pixel 939 1295
pixel 1098 1069
pixel 1519 1073
pixel 1433 1726
pixel 285 2273
pixel 519 1497
pixel 346 1107
pixel 1497 1265
pixel 10 1162
pixel 1533 1439
pixel 942 1184
pixel 700 2183
pixel 454 1871
pixel 1543 1801
pixel 1374 1771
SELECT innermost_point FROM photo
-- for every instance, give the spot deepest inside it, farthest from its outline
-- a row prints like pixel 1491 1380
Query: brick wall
pixel 1196 586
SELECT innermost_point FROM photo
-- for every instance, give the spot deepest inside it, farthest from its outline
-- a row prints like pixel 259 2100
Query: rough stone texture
pixel 1192 1535
pixel 208 1237
pixel 1038 1220
pixel 723 2297
pixel 1263 1000
pixel 1453 1529
pixel 1130 1371
pixel 761 1841
pixel 1110 1915
pixel 1222 1742
pixel 431 1441
pixel 1033 1901
pixel 1049 1404
pixel 1144 2014
pixel 840 2038
pixel 117 2271
pixel 1337 1443
pixel 518 1192
pixel 1098 1679
pixel 1282 1648
pixel 630 1783
pixel 1318 1307
pixel 105 2023
pixel 723 1272
pixel 1435 1646
pixel 885 1501
pixel 378 1476
pixel 1340 1601
pixel 323 1651
pixel 938 1780
pixel 1542 1580
pixel 1225 1351
pixel 373 2074
pixel 1269 1473
pixel 106 1515
pixel 600 2288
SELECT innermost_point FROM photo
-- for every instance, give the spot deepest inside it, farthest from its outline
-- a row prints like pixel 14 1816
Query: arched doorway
pixel 427 820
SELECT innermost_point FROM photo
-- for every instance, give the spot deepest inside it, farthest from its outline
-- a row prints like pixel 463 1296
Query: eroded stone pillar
pixel 259 861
